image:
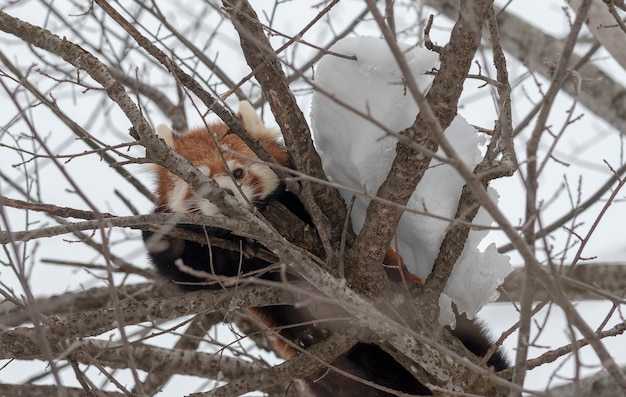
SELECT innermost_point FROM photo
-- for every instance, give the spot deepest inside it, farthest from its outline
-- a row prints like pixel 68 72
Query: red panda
pixel 236 169
pixel 225 158
pixel 212 153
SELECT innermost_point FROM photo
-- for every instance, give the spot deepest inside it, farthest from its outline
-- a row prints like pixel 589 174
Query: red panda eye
pixel 238 173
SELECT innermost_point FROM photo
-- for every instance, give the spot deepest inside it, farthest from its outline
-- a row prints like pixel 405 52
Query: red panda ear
pixel 164 132
pixel 249 117
pixel 254 125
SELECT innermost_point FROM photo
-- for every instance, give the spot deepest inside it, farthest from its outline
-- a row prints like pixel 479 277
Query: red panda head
pixel 239 173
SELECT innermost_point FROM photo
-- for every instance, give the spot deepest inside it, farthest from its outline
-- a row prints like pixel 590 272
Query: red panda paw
pixel 293 340
pixel 309 336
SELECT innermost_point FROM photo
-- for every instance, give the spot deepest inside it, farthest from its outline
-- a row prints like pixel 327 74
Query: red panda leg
pixel 288 327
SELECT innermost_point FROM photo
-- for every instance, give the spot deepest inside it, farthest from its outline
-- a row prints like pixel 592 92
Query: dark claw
pixel 310 336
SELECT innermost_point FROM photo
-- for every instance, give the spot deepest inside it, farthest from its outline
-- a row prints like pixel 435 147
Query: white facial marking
pixel 269 180
pixel 231 165
pixel 205 170
pixel 176 198
pixel 245 193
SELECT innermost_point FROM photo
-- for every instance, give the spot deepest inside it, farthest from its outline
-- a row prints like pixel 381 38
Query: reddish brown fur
pixel 198 147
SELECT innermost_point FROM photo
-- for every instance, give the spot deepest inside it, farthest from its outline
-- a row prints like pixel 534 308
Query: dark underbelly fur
pixel 366 361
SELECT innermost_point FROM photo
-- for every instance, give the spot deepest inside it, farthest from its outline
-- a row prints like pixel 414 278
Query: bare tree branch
pixel 94 68
pixel 327 209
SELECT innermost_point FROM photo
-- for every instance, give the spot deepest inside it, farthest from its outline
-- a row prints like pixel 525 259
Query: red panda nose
pixel 228 191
